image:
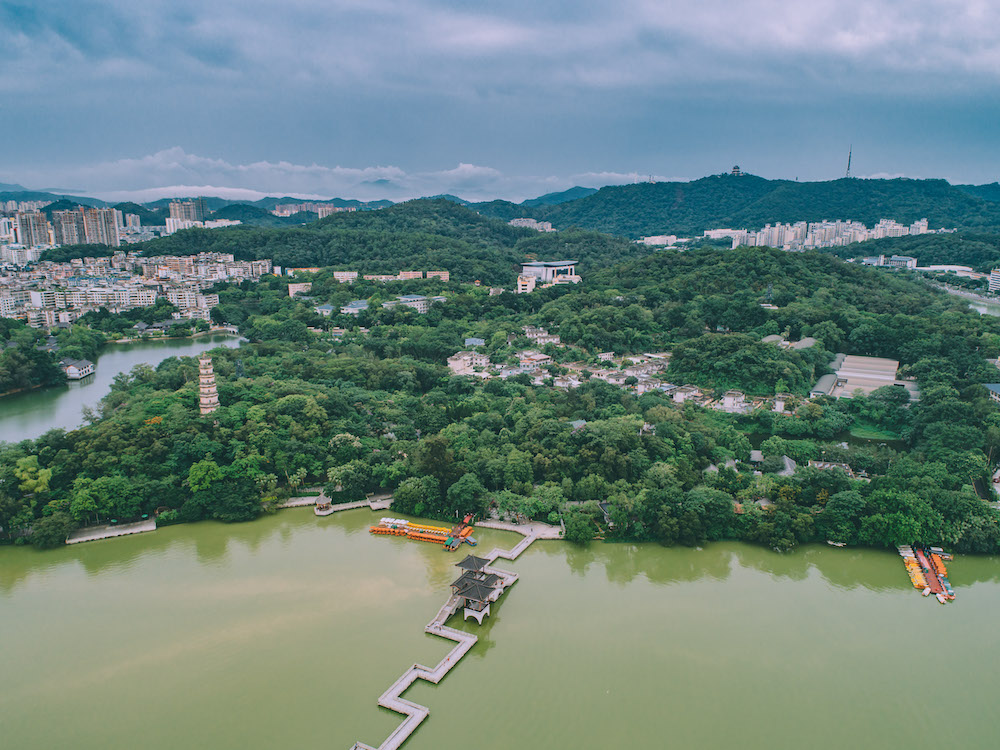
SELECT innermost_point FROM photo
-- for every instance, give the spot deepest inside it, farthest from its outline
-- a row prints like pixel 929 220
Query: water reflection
pixel 214 545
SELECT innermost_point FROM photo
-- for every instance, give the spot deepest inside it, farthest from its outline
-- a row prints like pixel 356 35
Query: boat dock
pixel 927 571
pixel 107 531
pixel 414 712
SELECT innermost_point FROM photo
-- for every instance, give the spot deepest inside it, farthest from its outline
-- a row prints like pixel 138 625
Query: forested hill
pixel 746 201
pixel 418 235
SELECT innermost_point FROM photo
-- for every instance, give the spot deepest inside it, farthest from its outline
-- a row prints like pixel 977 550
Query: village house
pixel 530 360
pixel 463 363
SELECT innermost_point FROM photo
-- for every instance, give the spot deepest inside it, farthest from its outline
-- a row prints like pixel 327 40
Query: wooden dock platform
pixel 414 712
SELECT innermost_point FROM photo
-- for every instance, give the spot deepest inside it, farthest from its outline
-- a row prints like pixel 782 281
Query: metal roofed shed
pixel 824 386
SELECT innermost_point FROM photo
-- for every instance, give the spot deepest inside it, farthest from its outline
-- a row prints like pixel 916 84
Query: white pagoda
pixel 208 393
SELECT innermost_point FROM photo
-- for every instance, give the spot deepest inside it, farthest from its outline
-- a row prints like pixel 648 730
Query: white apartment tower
pixel 208 393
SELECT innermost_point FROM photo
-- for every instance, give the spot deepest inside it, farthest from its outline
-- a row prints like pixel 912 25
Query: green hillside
pixel 260 217
pixel 421 234
pixel 990 192
pixel 746 201
pixel 416 235
pixel 564 196
pixel 147 217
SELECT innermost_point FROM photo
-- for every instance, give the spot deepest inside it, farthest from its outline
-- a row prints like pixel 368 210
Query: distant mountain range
pixel 681 208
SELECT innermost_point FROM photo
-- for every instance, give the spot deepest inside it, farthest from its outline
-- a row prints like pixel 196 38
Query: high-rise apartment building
pixel 192 210
pixel 101 226
pixel 68 228
pixel 32 229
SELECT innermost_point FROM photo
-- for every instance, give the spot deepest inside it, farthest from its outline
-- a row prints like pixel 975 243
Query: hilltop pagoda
pixel 208 397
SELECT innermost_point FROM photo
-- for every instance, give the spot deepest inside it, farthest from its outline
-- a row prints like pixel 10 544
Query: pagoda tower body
pixel 208 393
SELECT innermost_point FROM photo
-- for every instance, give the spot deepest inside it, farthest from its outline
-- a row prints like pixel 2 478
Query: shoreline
pixel 199 334
pixel 966 294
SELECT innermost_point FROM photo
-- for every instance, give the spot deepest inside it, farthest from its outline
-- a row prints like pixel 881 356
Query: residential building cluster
pixel 538 226
pixel 34 230
pixel 811 235
pixel 321 209
pixel 417 302
pixel 49 293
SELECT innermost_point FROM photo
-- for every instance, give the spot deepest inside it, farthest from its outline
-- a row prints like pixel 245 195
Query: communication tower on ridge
pixel 849 152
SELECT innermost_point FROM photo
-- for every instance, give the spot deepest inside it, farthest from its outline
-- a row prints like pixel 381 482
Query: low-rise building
pixel 540 336
pixel 530 360
pixel 464 362
pixel 418 302
pixel 525 284
pixel 77 369
pixel 355 307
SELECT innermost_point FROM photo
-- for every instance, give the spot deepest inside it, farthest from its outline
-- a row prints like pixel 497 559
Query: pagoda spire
pixel 208 394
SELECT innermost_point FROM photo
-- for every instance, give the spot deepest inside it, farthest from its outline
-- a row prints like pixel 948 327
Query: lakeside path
pixel 966 294
pixel 414 712
pixel 375 502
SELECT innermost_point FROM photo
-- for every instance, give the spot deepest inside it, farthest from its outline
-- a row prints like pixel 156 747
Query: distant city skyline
pixel 393 99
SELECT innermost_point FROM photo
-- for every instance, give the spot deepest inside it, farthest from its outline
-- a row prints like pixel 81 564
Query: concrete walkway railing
pixel 414 712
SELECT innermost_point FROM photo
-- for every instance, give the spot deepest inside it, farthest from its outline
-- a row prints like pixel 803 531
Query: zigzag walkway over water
pixel 414 712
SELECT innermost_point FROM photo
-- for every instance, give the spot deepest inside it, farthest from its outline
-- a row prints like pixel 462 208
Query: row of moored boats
pixel 927 571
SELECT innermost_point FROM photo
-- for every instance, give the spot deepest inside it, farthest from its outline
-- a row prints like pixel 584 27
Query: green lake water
pixel 31 414
pixel 284 632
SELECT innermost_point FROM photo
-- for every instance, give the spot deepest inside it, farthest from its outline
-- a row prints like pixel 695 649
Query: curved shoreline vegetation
pixel 377 409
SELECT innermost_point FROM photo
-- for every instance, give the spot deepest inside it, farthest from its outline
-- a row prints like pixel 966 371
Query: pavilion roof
pixel 467 579
pixel 471 562
pixel 477 592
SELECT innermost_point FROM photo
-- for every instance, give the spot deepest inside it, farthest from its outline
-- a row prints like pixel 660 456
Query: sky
pixel 402 98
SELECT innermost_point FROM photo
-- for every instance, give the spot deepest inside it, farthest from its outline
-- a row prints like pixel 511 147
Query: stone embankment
pixel 107 531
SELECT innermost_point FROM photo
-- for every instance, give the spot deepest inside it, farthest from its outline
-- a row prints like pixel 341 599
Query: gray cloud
pixel 676 86
pixel 174 172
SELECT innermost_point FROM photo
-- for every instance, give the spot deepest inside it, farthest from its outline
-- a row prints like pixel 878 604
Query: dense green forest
pixel 361 411
pixel 746 201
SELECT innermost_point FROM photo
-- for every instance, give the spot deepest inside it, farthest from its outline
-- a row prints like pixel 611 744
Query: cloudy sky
pixel 401 98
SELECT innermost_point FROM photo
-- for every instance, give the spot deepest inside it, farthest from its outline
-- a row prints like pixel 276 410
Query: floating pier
pixel 449 538
pixel 414 712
